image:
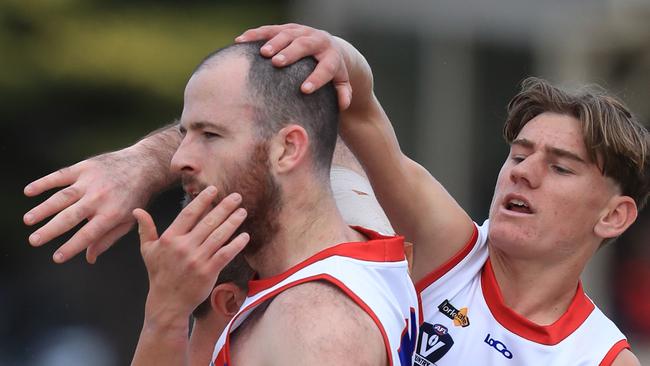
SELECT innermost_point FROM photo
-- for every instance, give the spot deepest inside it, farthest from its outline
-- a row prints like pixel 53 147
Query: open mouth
pixel 518 205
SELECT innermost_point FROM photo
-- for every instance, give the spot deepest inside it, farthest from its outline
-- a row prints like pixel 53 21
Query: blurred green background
pixel 78 78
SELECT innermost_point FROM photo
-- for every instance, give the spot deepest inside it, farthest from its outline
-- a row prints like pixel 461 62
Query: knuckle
pixel 70 193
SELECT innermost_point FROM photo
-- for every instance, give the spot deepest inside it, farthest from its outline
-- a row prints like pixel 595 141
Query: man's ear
pixel 289 148
pixel 620 213
pixel 226 299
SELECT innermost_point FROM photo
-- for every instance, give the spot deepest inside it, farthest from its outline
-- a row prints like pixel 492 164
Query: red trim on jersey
pixel 379 248
pixel 434 275
pixel 224 353
pixel 613 352
pixel 576 314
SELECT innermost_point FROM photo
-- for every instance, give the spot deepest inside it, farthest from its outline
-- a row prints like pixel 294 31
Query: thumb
pixel 146 226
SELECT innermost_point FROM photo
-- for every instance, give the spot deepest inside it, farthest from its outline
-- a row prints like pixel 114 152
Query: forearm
pixel 154 153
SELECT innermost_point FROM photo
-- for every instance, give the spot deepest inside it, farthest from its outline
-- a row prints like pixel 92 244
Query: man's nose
pixel 528 171
pixel 184 159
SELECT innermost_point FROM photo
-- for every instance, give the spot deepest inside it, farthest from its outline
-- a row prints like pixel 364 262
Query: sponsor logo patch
pixel 499 346
pixel 459 317
pixel 433 343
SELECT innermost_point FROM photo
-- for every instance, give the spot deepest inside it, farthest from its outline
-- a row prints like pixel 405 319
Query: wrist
pixel 165 317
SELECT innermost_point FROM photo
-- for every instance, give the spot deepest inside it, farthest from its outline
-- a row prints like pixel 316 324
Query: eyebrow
pixel 552 150
pixel 200 125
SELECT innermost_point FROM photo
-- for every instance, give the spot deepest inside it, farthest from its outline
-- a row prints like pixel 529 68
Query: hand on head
pixel 289 43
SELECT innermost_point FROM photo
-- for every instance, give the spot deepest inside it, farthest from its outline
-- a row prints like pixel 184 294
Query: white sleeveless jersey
pixel 374 274
pixel 465 321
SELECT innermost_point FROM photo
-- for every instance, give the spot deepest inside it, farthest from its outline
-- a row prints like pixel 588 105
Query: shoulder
pixel 626 358
pixel 319 324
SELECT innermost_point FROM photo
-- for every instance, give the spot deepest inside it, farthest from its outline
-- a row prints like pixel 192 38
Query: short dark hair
pixel 276 96
pixel 237 272
pixel 614 138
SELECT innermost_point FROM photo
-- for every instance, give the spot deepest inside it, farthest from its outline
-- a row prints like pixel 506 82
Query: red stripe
pixel 448 265
pixel 576 314
pixel 379 248
pixel 323 277
pixel 613 352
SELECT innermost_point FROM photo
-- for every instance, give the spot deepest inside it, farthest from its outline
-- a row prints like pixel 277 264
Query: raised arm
pixel 104 190
pixel 417 205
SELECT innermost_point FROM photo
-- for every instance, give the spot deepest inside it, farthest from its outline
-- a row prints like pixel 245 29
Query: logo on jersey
pixel 459 317
pixel 433 343
pixel 499 346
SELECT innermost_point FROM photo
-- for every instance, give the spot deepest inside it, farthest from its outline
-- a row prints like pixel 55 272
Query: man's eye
pixel 518 158
pixel 561 170
pixel 210 135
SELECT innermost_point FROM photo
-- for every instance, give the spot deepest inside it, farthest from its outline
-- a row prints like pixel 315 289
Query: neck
pixel 541 291
pixel 309 223
pixel 205 334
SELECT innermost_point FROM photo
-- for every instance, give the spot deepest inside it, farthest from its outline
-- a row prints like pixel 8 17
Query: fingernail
pixel 240 39
pixel 28 189
pixel 241 212
pixel 58 257
pixel 307 87
pixel 267 48
pixel 211 190
pixel 29 218
pixel 280 58
pixel 236 197
pixel 35 239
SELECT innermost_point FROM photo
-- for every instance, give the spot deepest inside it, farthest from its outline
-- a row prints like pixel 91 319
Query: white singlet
pixel 373 274
pixel 465 321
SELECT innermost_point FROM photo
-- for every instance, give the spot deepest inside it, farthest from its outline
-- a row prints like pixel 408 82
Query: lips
pixel 517 203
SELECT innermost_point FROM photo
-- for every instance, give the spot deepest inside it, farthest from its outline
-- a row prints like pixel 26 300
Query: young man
pixel 507 291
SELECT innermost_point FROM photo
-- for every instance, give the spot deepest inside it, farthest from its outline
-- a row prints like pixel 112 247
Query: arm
pixel 183 265
pixel 626 358
pixel 104 190
pixel 417 205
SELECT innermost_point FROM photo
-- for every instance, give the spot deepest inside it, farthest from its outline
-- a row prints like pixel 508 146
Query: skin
pixel 225 300
pixel 574 206
pixel 219 135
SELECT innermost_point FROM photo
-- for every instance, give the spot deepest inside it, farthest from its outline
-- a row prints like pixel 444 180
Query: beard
pixel 261 197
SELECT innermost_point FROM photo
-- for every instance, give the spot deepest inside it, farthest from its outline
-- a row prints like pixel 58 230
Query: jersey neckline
pixel 378 248
pixel 552 334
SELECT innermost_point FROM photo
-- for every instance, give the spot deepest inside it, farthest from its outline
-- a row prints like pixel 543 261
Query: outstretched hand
pixel 289 43
pixel 103 190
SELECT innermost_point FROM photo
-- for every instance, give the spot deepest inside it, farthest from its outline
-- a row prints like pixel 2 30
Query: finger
pixel 60 178
pixel 57 202
pixel 223 232
pixel 94 229
pixel 146 227
pixel 191 214
pixel 292 45
pixel 61 223
pixel 215 218
pixel 262 33
pixel 330 67
pixel 301 39
pixel 104 243
pixel 224 255
pixel 344 95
